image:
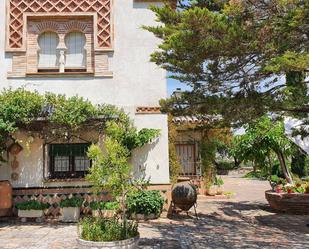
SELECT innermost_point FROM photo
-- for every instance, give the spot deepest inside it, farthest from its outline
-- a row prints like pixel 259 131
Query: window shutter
pixel 48 43
pixel 75 55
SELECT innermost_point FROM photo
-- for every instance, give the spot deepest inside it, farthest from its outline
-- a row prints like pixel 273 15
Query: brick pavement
pixel 244 221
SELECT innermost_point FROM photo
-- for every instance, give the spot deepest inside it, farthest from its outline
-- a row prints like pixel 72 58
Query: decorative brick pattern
pixel 53 196
pixel 17 9
pixel 148 110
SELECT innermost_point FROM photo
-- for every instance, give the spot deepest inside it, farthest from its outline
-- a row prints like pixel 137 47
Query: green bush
pixel 145 202
pixel 225 165
pixel 256 175
pixel 219 181
pixel 103 205
pixel 31 205
pixel 99 229
pixel 72 202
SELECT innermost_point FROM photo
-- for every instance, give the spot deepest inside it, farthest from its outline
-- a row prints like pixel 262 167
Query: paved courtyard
pixel 243 221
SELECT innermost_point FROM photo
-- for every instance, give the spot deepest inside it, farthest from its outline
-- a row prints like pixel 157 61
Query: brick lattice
pixel 17 8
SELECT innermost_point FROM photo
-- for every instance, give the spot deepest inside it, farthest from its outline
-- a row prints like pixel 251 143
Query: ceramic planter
pixel 131 243
pixel 30 213
pixel 70 214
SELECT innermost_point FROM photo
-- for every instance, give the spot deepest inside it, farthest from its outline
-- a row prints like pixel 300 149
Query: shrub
pixel 145 202
pixel 103 205
pixel 72 202
pixel 99 229
pixel 31 205
pixel 219 181
pixel 225 165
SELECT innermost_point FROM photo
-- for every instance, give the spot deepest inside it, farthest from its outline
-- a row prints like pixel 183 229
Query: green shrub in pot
pixel 31 205
pixel 145 202
pixel 31 209
pixel 71 202
pixel 70 209
pixel 112 229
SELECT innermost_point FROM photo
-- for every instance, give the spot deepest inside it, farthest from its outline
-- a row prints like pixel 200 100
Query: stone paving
pixel 244 221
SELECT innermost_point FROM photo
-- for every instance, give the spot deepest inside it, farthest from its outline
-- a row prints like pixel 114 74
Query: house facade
pixel 91 48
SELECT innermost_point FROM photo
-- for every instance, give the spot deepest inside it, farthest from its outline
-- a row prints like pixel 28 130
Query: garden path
pixel 243 221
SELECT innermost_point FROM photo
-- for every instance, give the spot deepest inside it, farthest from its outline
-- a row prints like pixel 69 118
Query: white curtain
pixel 48 43
pixel 75 54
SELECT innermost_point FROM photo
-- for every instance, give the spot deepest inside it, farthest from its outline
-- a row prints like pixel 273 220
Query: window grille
pixel 68 160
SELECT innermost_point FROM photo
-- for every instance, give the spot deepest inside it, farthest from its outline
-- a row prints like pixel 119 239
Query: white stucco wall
pixel 135 82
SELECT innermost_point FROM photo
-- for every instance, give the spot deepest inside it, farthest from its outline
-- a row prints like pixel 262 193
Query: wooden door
pixel 187 158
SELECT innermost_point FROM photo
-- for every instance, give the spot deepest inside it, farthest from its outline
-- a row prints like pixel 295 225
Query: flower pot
pixel 5 198
pixel 212 190
pixel 219 190
pixel 131 243
pixel 30 213
pixel 70 214
pixel 294 203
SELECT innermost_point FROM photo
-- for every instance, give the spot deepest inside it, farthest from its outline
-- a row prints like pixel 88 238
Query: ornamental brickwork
pixel 18 10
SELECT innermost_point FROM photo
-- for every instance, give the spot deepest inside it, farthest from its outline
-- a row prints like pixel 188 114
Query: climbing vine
pixel 57 116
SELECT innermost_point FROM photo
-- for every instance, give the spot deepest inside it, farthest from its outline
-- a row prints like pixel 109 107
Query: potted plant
pixel 290 198
pixel 219 183
pixel 104 209
pixel 31 209
pixel 145 204
pixel 70 209
pixel 97 232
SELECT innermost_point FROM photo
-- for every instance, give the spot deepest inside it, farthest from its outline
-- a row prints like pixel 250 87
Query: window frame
pixel 39 52
pixel 71 173
pixel 67 37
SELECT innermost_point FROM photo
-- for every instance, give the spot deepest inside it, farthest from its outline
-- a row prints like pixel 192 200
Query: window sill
pixel 57 74
pixel 65 180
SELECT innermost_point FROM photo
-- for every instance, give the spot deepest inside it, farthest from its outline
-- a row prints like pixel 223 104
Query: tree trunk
pixel 284 167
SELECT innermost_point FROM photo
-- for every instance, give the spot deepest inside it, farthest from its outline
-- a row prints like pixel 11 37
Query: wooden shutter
pixel 48 43
pixel 75 54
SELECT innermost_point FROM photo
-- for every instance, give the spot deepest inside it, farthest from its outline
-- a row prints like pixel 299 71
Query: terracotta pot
pixel 219 190
pixel 294 203
pixel 184 195
pixel 5 198
pixel 212 190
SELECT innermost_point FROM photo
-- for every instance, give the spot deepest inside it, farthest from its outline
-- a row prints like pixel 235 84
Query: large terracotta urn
pixel 5 198
pixel 184 195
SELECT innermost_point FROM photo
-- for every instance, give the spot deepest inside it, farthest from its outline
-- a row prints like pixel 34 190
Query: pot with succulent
pixel 70 209
pixel 145 204
pixel 31 209
pixel 219 183
pixel 216 187
pixel 104 209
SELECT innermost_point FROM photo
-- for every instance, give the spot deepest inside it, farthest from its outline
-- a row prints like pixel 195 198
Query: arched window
pixel 48 42
pixel 75 54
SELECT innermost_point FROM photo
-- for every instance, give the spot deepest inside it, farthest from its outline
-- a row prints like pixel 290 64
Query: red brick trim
pixel 148 110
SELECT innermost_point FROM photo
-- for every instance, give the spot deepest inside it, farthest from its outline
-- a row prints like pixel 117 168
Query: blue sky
pixel 173 84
